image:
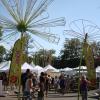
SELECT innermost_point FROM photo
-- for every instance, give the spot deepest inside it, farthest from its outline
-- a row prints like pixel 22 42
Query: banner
pixel 89 59
pixel 17 59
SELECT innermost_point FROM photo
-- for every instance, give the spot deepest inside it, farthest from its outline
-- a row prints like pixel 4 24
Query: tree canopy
pixel 72 51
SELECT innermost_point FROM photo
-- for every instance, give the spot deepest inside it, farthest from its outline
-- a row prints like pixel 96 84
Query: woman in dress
pixel 28 87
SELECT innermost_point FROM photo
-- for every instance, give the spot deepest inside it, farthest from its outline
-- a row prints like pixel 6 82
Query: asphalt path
pixel 51 96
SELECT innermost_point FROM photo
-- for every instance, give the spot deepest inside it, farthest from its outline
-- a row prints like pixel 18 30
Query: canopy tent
pixel 2 64
pixel 81 68
pixel 81 72
pixel 32 64
pixel 26 66
pixel 5 67
pixel 50 68
pixel 68 71
pixel 98 69
pixel 38 69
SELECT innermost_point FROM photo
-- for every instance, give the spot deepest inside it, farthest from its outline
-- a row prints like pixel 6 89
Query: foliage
pixel 43 57
pixel 96 49
pixel 70 55
pixel 72 49
pixel 8 56
pixel 0 31
pixel 2 53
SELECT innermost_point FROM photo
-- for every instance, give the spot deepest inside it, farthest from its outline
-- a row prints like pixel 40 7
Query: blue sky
pixel 71 10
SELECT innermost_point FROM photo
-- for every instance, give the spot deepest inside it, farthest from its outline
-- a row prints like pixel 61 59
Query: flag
pixel 89 59
pixel 17 59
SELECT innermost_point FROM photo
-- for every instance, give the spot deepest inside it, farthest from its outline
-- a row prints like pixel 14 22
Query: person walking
pixel 28 87
pixel 62 84
pixel 84 87
pixel 24 77
pixel 41 87
pixel 46 84
pixel 56 83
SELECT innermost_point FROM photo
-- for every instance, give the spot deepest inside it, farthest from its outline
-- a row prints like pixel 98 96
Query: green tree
pixel 2 53
pixel 96 49
pixel 43 57
pixel 8 55
pixel 0 31
pixel 70 55
pixel 72 49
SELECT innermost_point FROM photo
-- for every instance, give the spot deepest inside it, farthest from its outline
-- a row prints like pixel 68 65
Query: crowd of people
pixel 32 83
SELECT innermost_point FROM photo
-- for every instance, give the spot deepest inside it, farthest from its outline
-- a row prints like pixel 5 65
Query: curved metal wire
pixel 29 12
pixel 79 28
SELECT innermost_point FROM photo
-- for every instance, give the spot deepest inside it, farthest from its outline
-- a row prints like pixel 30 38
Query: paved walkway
pixel 51 96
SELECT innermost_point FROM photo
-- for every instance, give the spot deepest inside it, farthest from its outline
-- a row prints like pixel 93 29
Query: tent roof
pixel 5 66
pixel 51 68
pixel 98 69
pixel 26 66
pixel 67 69
pixel 32 64
pixel 81 67
pixel 38 69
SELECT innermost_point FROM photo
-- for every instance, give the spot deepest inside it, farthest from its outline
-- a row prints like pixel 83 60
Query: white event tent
pixel 50 68
pixel 38 69
pixel 81 68
pixel 32 64
pixel 2 64
pixel 5 67
pixel 68 71
pixel 26 66
pixel 98 71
